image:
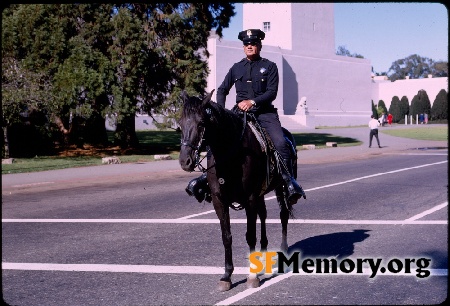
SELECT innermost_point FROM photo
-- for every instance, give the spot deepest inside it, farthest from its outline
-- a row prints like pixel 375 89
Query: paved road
pixel 145 242
pixel 85 175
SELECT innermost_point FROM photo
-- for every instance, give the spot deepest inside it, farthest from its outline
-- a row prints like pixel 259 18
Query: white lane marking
pixel 234 221
pixel 427 212
pixel 196 215
pixel 424 154
pixel 121 268
pixel 364 177
pixel 241 295
pixel 165 269
pixel 248 292
pixel 32 184
pixel 377 174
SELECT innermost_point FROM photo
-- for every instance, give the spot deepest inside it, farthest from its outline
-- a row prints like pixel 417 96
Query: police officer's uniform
pixel 256 80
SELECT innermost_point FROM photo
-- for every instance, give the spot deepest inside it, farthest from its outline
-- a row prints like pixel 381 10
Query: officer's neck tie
pixel 250 92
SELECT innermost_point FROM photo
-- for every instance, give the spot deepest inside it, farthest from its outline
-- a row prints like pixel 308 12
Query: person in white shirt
pixel 373 125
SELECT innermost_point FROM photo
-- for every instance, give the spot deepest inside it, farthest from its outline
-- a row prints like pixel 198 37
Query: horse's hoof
pixel 252 282
pixel 224 286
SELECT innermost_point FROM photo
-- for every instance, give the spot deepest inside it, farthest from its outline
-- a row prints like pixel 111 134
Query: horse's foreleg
pixel 284 216
pixel 250 235
pixel 223 214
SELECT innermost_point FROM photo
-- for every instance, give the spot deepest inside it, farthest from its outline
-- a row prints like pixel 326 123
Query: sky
pixel 382 32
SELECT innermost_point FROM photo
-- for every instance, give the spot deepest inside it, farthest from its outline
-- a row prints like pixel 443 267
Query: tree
pixel 415 67
pixel 23 93
pixel 106 59
pixel 395 110
pixel 374 111
pixel 404 106
pixel 381 108
pixel 439 111
pixel 420 104
pixel 342 50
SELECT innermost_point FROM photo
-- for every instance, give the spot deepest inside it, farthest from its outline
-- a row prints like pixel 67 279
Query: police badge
pixel 262 70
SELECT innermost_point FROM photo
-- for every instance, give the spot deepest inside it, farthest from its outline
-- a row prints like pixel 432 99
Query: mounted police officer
pixel 256 81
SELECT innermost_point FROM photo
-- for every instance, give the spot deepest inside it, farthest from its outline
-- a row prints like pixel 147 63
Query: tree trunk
pixel 95 130
pixel 125 135
pixel 60 124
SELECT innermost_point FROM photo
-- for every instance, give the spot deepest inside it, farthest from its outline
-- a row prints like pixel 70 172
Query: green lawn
pixel 439 133
pixel 168 142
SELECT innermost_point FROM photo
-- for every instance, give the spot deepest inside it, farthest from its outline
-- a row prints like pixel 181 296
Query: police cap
pixel 251 35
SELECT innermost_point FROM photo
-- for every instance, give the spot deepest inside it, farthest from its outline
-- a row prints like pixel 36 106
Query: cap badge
pixel 249 33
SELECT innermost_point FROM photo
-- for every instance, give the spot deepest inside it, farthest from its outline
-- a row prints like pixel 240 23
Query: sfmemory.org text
pixel 332 266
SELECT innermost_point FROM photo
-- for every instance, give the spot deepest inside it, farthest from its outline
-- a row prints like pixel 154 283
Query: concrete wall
pixel 337 88
pixel 281 29
pixel 386 90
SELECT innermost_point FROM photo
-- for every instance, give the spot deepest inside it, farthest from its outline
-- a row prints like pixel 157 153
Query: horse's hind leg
pixel 284 217
pixel 262 213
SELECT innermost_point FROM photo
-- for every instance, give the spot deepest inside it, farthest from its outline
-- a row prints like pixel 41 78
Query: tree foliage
pixel 342 50
pixel 374 111
pixel 415 67
pixel 110 59
pixel 404 106
pixel 420 104
pixel 439 111
pixel 395 110
pixel 381 108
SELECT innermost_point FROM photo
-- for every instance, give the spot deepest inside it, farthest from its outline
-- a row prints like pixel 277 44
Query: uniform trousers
pixel 271 123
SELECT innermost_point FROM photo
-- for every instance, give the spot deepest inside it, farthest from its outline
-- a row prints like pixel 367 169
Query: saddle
pixel 274 160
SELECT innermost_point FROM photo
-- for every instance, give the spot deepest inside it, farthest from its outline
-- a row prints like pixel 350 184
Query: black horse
pixel 236 172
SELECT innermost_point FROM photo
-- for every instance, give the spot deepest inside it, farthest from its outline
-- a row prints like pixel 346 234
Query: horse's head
pixel 192 124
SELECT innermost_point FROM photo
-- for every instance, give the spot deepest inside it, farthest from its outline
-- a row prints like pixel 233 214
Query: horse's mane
pixel 227 117
pixel 224 117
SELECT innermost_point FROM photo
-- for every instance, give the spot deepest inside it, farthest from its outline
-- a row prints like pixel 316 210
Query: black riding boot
pixel 294 190
pixel 199 188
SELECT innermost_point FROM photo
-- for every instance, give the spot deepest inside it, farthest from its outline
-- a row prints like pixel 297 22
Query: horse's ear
pixel 208 97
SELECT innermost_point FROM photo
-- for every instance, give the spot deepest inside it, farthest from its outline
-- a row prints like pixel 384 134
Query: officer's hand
pixel 245 105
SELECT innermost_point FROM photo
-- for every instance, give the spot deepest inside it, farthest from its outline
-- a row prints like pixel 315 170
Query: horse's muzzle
pixel 187 163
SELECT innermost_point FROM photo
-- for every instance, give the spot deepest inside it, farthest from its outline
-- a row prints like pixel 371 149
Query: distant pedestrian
pixel 373 125
pixel 382 119
pixel 390 117
pixel 421 118
pixel 425 118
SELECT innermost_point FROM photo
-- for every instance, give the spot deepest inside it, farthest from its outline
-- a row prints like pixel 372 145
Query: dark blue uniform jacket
pixel 264 82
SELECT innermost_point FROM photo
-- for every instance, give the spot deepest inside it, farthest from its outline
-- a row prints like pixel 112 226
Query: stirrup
pixel 199 188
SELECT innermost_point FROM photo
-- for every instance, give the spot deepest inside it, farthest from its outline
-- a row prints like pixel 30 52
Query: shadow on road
pixel 338 245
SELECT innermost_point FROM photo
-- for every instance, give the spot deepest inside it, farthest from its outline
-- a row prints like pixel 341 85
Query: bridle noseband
pixel 196 149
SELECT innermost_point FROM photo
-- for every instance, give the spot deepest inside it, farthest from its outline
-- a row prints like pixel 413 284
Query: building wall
pixel 280 34
pixel 386 90
pixel 337 88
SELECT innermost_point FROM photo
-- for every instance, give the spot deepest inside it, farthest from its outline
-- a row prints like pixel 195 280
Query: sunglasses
pixel 251 43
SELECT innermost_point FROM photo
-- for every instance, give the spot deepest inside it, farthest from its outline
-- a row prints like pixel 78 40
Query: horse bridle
pixel 198 159
pixel 196 149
